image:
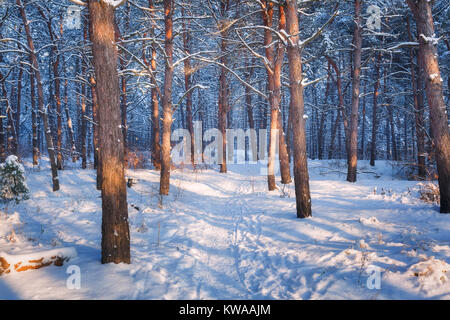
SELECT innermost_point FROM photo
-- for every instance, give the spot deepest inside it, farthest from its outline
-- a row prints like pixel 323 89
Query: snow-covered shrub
pixel 429 193
pixel 12 181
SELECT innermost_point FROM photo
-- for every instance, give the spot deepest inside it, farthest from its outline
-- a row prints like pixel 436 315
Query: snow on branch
pixel 433 40
pixel 403 45
pixel 304 43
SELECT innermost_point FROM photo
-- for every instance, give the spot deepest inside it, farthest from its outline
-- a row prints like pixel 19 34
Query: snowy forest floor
pixel 224 236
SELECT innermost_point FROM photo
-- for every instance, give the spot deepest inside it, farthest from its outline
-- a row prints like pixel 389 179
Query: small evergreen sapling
pixel 12 181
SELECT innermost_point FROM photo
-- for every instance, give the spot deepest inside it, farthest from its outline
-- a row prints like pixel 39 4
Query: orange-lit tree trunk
pixel 278 65
pixel 167 100
pixel 421 10
pixel 223 93
pixel 268 22
pixel 352 150
pixel 301 176
pixel 115 228
pixel 44 115
pixel 123 95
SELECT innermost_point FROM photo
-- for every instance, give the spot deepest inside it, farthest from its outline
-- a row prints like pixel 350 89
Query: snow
pixel 433 76
pixel 224 236
pixel 433 40
pixel 27 255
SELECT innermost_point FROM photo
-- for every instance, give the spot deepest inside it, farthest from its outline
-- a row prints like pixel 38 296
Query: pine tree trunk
pixel 363 118
pixel 18 109
pixel 34 120
pixel 187 85
pixel 373 142
pixel 95 142
pixel 418 109
pixel 57 88
pixel 278 65
pixel 273 138
pixel 155 144
pixel 115 229
pixel 123 96
pixel 223 95
pixel 352 150
pixel 167 100
pixel 44 115
pixel 301 176
pixel 433 86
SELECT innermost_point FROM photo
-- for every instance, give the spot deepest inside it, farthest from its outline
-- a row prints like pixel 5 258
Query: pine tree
pixel 12 181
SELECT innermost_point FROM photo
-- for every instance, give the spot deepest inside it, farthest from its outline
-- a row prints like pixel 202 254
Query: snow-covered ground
pixel 224 236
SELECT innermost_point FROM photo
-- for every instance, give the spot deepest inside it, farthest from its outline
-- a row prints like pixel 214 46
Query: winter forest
pixel 224 149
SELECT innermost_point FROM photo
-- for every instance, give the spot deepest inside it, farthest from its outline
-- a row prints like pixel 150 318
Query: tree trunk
pixel 115 229
pixel 363 118
pixel 156 146
pixel 340 111
pixel 123 96
pixel 83 108
pixel 274 109
pixel 278 65
pixel 44 115
pixel 301 176
pixel 57 86
pixel 95 142
pixel 322 124
pixel 352 152
pixel 18 108
pixel 187 85
pixel 433 86
pixel 167 100
pixel 223 95
pixel 373 142
pixel 34 120
pixel 418 109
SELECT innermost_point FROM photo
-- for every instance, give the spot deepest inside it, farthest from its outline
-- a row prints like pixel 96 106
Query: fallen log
pixel 34 260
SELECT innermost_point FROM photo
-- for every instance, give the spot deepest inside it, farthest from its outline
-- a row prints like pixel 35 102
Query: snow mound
pixel 429 277
pixel 369 221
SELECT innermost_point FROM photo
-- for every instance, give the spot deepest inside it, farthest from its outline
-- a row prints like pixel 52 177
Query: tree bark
pixel 373 142
pixel 18 108
pixel 115 228
pixel 278 65
pixel 301 176
pixel 418 109
pixel 187 85
pixel 352 152
pixel 274 109
pixel 167 100
pixel 34 120
pixel 44 115
pixel 95 142
pixel 156 146
pixel 223 92
pixel 421 10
